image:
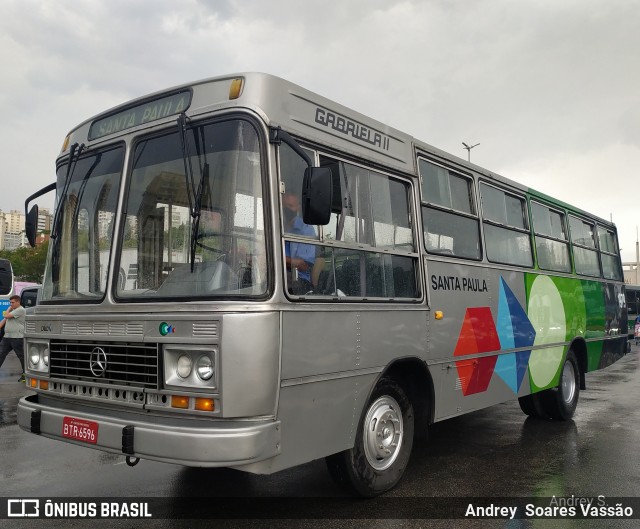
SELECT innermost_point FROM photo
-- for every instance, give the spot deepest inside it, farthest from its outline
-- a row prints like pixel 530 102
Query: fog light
pixel 205 367
pixel 184 366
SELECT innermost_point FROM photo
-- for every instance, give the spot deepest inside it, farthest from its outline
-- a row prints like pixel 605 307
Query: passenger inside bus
pixel 300 257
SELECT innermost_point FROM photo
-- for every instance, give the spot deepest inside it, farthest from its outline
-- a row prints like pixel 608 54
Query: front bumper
pixel 216 444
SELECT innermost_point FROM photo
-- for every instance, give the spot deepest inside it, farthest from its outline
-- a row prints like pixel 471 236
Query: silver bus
pixel 245 274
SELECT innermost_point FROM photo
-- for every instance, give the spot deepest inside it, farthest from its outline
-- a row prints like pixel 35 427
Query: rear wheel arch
pixel 579 348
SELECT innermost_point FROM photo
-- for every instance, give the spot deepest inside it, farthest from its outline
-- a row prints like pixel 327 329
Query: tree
pixel 28 263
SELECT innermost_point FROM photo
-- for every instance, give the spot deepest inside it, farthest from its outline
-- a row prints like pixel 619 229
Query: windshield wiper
pixel 74 155
pixel 196 213
pixel 188 175
pixel 195 204
pixel 186 158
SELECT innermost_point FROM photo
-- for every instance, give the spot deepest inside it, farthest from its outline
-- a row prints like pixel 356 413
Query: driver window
pixel 302 262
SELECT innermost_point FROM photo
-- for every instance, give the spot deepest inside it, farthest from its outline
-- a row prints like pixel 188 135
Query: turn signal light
pixel 179 402
pixel 44 384
pixel 236 88
pixel 439 314
pixel 33 383
pixel 65 143
pixel 205 404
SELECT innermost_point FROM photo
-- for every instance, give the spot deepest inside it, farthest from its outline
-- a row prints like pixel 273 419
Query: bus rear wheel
pixel 532 406
pixel 560 402
pixel 383 443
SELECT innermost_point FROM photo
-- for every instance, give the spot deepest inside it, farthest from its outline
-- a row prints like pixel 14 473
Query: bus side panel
pixel 466 375
pixel 505 334
pixel 341 341
pixel 331 359
pixel 317 419
pixel 249 364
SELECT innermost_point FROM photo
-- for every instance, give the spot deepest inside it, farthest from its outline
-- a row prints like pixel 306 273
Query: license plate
pixel 80 430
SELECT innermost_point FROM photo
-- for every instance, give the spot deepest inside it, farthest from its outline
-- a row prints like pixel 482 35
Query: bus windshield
pixel 193 223
pixel 79 253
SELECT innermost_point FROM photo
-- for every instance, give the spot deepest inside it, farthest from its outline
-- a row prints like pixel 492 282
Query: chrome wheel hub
pixel 383 432
pixel 568 383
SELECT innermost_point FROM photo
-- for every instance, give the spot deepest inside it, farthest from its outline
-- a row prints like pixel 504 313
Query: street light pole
pixel 469 147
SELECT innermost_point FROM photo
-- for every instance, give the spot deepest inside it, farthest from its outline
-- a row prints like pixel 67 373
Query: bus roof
pixel 297 110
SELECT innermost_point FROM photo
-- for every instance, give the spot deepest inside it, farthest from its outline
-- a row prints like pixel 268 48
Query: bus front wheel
pixel 383 443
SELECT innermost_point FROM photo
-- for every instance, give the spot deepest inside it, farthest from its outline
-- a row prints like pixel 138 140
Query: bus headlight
pixel 184 366
pixel 205 367
pixel 191 367
pixel 34 356
pixel 37 355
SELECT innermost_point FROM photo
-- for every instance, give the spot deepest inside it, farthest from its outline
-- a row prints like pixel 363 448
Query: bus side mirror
pixel 317 196
pixel 31 225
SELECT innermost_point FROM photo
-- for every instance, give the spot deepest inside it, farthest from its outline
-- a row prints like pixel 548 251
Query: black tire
pixel 557 403
pixel 561 402
pixel 369 468
pixel 532 406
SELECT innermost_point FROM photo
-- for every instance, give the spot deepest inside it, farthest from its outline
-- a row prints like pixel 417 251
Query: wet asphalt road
pixel 491 453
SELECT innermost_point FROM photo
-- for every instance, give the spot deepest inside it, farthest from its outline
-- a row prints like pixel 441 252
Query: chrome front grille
pixel 129 364
pixel 102 327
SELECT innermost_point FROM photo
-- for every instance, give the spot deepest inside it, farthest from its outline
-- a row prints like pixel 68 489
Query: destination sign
pixel 141 114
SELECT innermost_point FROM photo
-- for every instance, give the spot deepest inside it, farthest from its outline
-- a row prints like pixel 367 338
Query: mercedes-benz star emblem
pixel 98 362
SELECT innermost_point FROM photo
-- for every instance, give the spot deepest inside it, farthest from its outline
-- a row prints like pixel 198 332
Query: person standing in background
pixel 13 324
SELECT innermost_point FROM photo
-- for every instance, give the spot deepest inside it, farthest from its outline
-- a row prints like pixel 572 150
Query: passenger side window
pixel 449 215
pixel 506 235
pixel 375 215
pixel 583 241
pixel 552 245
pixel 611 266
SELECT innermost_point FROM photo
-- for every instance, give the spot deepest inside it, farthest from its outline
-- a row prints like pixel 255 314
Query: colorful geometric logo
pixel 480 334
pixel 515 331
pixel 547 312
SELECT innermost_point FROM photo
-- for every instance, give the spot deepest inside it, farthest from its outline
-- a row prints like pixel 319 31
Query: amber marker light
pixel 236 88
pixel 44 384
pixel 33 383
pixel 65 143
pixel 438 314
pixel 203 404
pixel 178 401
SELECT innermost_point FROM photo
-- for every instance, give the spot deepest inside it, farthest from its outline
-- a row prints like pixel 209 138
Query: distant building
pixel 12 228
pixel 13 241
pixel 631 269
pixel 15 221
pixel 3 230
pixel 631 273
pixel 44 220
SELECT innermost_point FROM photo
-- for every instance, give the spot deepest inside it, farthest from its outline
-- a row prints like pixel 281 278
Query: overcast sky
pixel 549 88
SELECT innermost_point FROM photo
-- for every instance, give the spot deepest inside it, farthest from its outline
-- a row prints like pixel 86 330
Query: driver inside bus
pixel 300 257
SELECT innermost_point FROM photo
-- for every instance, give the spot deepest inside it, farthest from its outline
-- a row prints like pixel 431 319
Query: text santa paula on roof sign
pixel 141 113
